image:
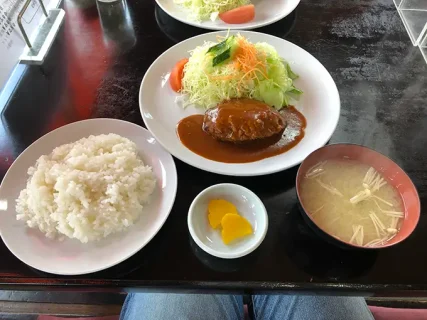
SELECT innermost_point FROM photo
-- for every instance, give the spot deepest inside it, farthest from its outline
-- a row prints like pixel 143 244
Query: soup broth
pixel 352 201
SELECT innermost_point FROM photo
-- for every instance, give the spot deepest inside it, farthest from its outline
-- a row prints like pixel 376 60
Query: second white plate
pixel 70 257
pixel 320 104
pixel 266 12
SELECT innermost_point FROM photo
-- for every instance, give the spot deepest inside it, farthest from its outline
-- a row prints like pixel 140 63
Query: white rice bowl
pixel 86 190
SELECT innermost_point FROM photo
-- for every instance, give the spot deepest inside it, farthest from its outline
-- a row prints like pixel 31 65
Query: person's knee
pixel 181 306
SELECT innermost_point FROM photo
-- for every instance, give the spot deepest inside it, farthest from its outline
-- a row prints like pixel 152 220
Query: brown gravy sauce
pixel 192 136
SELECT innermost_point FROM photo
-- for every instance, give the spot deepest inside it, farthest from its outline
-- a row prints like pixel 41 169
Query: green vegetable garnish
pixel 221 57
pixel 220 47
pixel 214 73
pixel 223 50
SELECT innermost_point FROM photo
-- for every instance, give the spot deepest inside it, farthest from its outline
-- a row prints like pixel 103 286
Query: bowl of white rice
pixel 86 196
pixel 87 190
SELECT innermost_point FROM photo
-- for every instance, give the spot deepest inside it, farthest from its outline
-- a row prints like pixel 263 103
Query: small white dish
pixel 320 105
pixel 71 257
pixel 266 12
pixel 248 205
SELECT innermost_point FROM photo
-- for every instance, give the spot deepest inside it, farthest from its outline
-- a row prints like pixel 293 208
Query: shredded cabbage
pixel 203 9
pixel 205 86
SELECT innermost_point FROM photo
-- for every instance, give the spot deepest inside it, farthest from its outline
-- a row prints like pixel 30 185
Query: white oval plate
pixel 71 257
pixel 266 12
pixel 320 104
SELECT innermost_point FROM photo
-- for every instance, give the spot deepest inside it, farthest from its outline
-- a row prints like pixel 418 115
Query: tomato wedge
pixel 175 79
pixel 239 15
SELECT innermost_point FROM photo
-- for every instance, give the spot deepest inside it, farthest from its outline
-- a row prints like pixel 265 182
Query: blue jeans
pixel 150 306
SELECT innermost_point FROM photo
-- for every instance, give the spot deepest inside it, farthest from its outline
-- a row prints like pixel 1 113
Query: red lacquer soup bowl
pixel 389 170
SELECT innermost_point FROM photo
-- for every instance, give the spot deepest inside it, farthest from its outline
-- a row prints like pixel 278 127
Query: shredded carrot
pixel 221 77
pixel 248 60
pixel 236 65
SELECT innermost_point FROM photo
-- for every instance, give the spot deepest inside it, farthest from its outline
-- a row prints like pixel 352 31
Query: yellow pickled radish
pixel 217 209
pixel 234 227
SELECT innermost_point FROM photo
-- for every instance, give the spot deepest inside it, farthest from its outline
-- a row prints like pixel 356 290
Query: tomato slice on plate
pixel 239 15
pixel 175 78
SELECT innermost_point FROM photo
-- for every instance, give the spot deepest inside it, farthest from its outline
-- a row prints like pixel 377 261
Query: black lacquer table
pixel 95 68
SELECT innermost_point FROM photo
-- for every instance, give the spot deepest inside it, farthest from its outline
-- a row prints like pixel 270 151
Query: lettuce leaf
pixel 200 10
pixel 206 82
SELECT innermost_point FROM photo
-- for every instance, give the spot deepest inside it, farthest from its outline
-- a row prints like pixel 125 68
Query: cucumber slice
pixel 220 47
pixel 223 51
pixel 221 57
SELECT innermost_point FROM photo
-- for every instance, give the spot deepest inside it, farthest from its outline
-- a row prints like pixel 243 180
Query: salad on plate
pixel 229 11
pixel 234 68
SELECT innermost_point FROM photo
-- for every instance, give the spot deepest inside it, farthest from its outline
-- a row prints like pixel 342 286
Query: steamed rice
pixel 87 189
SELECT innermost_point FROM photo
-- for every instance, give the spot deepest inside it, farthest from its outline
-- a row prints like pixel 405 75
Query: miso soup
pixel 352 202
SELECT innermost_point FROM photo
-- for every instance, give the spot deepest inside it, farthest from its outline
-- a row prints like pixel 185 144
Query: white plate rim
pixel 142 245
pixel 226 172
pixel 230 26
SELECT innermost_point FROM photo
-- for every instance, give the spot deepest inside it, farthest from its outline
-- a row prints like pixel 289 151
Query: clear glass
pixel 414 16
pixel 117 24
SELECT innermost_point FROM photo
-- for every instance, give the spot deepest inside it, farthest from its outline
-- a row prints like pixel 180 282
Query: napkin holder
pixel 37 49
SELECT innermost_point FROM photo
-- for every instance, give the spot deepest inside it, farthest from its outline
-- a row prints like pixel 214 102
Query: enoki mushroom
pixel 357 235
pixel 383 233
pixel 338 212
pixel 372 182
pixel 398 214
pixel 315 170
pixel 330 188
